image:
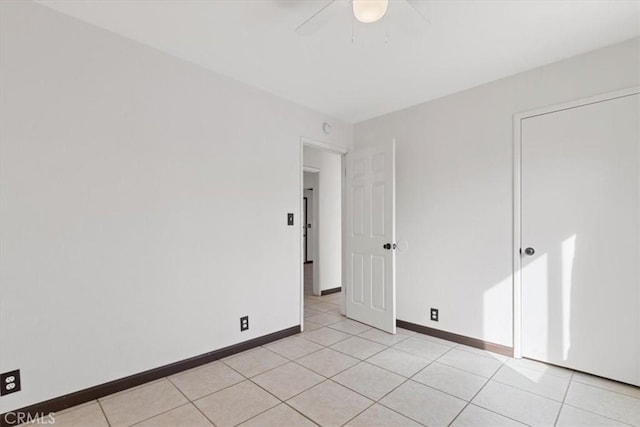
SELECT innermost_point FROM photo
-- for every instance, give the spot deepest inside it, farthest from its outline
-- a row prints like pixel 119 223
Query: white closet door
pixel 581 216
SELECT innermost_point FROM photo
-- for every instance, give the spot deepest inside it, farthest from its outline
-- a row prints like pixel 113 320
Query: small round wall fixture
pixel 326 128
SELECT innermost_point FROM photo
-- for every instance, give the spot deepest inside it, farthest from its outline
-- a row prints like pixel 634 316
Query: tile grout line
pixel 407 379
pixel 605 389
pixel 379 402
pixel 351 355
pixel 322 375
pixel 429 362
pixel 162 413
pixel 373 402
pixel 477 393
pixel 586 410
pixel 600 415
pixel 294 409
pixel 257 385
pixel 191 402
pixel 159 413
pixel 104 414
pixel 535 393
pixel 564 397
pixel 545 365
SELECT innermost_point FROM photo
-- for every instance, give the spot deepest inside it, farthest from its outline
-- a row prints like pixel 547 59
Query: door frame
pixel 315 274
pixel 517 195
pixel 334 149
pixel 305 215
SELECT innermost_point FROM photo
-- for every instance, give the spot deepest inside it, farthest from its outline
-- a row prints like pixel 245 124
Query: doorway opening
pixel 322 212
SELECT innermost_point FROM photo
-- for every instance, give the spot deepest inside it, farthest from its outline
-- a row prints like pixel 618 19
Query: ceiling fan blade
pixel 417 5
pixel 315 21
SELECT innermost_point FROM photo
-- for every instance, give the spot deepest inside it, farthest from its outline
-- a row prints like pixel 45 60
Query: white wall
pixel 129 181
pixel 328 225
pixel 454 188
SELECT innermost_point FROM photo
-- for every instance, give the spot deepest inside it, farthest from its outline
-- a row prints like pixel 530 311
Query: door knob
pixel 529 251
pixel 389 246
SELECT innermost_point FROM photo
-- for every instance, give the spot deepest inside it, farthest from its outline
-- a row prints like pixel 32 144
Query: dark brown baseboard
pixel 460 339
pixel 43 409
pixel 331 291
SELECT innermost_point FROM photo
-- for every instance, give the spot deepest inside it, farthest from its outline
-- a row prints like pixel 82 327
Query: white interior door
pixel 581 216
pixel 370 293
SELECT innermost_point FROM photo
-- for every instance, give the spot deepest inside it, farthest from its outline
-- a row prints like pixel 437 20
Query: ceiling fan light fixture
pixel 369 11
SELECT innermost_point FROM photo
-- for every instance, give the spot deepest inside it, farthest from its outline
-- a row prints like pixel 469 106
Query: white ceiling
pixel 466 43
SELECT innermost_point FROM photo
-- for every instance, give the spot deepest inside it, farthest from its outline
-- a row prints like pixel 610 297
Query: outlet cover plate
pixel 10 382
pixel 244 323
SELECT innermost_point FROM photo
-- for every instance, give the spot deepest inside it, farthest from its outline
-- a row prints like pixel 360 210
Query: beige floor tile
pixel 206 379
pixel 350 326
pixel 325 319
pixel 183 416
pixel 574 417
pixel 142 403
pixel 287 380
pixel 330 404
pixel 325 336
pixel 327 362
pixel 616 386
pixel 481 352
pixel 474 416
pixel 539 366
pixel 424 404
pixel 280 416
pixel 422 348
pixel 254 362
pixel 520 405
pixel 111 396
pixel 403 331
pixel 359 347
pixel 308 312
pixel 236 404
pixel 80 416
pixel 436 340
pixel 382 337
pixel 323 306
pixel 397 361
pixel 73 408
pixel 537 382
pixel 476 364
pixel 604 402
pixel 369 380
pixel 454 381
pixel 335 311
pixel 310 326
pixel 379 416
pixel 294 348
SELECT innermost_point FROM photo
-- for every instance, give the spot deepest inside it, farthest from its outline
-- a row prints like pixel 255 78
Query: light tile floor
pixel 340 372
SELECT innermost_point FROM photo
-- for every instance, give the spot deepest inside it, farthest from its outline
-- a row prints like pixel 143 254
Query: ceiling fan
pixel 364 11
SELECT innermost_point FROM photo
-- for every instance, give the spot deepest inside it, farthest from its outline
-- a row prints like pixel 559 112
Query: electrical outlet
pixel 434 314
pixel 244 323
pixel 10 382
